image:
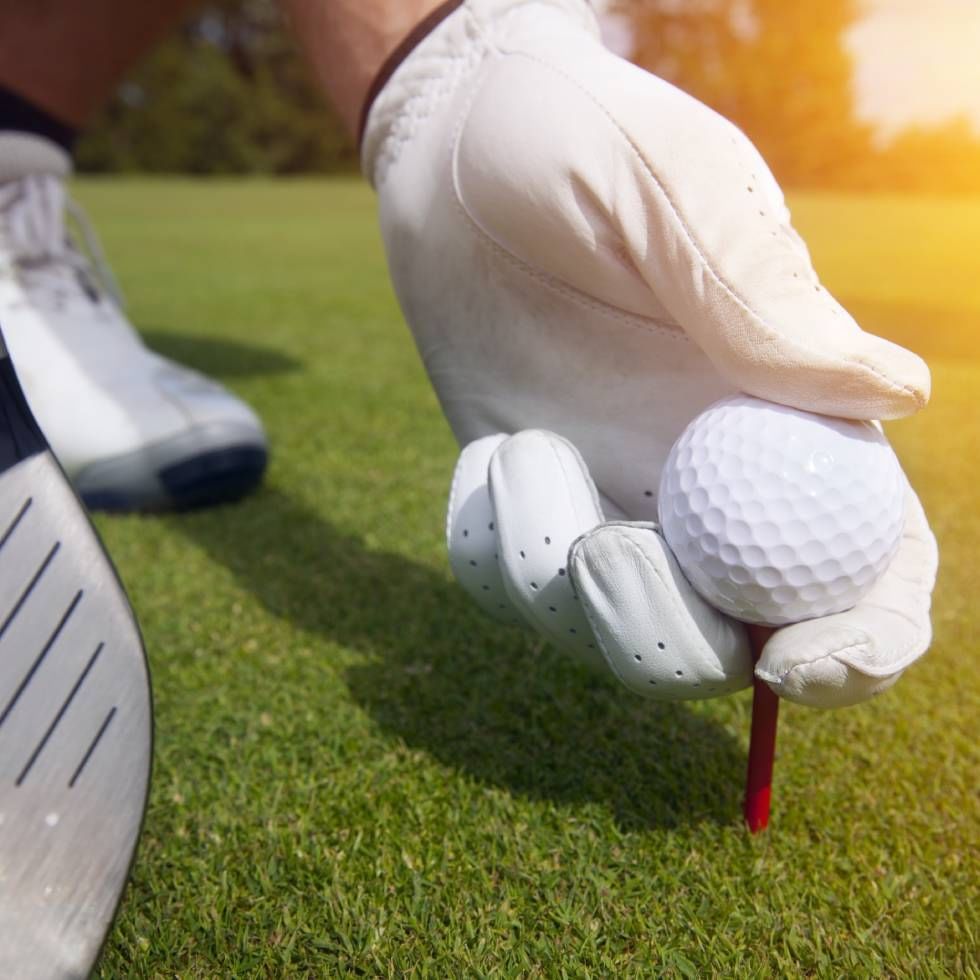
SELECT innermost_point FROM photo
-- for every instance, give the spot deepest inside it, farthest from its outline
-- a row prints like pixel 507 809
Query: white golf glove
pixel 588 257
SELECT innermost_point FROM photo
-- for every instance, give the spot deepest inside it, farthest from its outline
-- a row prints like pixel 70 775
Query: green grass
pixel 357 775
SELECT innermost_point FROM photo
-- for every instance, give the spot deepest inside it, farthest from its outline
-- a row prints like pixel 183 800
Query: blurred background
pixel 840 94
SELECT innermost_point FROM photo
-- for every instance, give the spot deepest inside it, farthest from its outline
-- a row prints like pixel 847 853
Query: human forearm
pixel 67 58
pixel 348 41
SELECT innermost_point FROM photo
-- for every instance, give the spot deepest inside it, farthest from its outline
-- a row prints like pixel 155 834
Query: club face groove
pixel 75 729
pixel 45 650
pixel 17 519
pixel 42 568
pixel 57 718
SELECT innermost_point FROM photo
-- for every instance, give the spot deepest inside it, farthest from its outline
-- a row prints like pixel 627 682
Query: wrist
pixel 401 51
pixel 347 41
pixel 435 59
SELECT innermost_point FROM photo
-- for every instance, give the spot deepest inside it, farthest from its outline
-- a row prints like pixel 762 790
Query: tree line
pixel 228 93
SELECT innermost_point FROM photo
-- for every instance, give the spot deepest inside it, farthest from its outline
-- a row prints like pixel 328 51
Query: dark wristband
pixel 418 33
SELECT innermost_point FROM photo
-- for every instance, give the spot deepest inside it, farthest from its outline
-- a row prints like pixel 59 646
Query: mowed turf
pixel 356 774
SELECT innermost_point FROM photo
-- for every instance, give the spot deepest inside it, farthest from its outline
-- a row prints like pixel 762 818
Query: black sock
pixel 19 115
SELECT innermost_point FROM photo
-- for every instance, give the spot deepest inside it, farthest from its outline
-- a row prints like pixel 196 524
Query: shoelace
pixel 32 225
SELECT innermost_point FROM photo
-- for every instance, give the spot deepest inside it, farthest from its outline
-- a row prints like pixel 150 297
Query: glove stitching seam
pixel 773 333
pixel 909 618
pixel 414 111
pixel 902 662
pixel 632 321
pixel 398 137
pixel 572 562
pixel 676 603
pixel 527 605
pixel 593 493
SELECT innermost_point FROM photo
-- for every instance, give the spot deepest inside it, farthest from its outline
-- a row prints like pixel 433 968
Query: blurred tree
pixel 778 70
pixel 944 157
pixel 227 94
pixel 781 71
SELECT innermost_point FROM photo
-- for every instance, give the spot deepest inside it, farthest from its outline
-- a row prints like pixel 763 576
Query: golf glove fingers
pixel 854 655
pixel 515 136
pixel 581 248
pixel 527 539
pixel 658 636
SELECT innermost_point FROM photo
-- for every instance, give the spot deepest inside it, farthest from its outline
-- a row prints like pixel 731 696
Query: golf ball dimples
pixel 778 515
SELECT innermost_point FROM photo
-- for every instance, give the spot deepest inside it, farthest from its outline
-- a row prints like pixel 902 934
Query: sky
pixel 916 61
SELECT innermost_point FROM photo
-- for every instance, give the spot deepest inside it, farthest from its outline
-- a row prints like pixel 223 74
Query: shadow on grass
pixel 218 356
pixel 486 700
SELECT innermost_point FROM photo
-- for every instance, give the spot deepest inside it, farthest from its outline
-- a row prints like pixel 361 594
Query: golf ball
pixel 778 515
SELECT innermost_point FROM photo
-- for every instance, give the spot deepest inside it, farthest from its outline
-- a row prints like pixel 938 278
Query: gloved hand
pixel 583 250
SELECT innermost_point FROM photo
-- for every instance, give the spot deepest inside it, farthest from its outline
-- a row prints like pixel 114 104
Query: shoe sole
pixel 207 465
pixel 76 718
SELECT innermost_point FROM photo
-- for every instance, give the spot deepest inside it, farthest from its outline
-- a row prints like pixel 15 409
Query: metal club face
pixel 75 727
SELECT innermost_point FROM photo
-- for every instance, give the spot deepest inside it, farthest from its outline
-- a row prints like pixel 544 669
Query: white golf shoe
pixel 131 429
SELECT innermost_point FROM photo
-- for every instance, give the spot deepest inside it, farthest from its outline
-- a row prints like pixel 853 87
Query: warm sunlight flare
pixel 917 62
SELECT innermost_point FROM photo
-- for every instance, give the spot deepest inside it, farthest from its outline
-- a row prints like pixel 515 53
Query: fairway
pixel 357 775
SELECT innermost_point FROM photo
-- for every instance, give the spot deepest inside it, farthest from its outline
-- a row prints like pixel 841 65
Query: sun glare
pixel 918 62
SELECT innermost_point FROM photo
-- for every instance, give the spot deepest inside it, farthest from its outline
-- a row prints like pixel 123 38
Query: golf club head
pixel 75 714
